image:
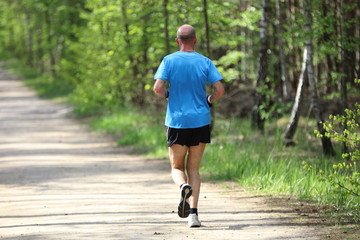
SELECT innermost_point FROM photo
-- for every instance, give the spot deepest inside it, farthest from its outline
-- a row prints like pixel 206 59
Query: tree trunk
pixel 145 58
pixel 207 36
pixel 347 64
pixel 50 44
pixel 326 142
pixel 207 30
pixel 295 113
pixel 284 73
pixel 29 40
pixel 350 33
pixel 357 35
pixel 39 52
pixel 127 40
pixel 257 120
pixel 166 27
pixel 325 37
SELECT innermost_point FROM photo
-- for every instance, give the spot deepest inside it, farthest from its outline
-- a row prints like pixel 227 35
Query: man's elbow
pixel 220 91
pixel 158 89
pixel 155 89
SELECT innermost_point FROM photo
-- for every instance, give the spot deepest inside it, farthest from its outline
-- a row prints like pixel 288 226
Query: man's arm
pixel 159 88
pixel 218 92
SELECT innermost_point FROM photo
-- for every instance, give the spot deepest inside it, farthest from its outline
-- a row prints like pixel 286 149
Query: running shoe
pixel 184 206
pixel 193 220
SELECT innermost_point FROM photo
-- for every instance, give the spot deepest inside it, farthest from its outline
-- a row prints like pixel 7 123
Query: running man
pixel 188 115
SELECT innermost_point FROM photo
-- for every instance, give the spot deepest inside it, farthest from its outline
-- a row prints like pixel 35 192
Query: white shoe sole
pixel 184 206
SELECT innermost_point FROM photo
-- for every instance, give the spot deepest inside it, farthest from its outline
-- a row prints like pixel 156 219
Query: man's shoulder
pixel 174 54
pixel 203 58
pixel 169 57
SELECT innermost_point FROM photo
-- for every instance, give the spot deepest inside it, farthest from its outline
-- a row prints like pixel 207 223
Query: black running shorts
pixel 188 136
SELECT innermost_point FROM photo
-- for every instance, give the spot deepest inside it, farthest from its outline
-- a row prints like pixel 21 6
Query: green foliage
pixel 344 177
pixel 227 65
pixel 272 107
pixel 248 19
pixel 120 43
pixel 108 51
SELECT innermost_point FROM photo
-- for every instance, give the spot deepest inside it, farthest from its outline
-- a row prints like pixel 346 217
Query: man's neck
pixel 187 49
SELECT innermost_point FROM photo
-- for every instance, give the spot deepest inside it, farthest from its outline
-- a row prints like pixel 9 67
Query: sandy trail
pixel 58 180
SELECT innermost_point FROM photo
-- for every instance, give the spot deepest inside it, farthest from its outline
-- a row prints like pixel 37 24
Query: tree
pixel 295 113
pixel 109 50
pixel 257 119
pixel 326 142
pixel 166 27
pixel 49 28
pixel 207 29
pixel 284 74
pixel 347 58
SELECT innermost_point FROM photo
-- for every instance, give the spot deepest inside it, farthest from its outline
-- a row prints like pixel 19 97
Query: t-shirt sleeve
pixel 213 74
pixel 162 72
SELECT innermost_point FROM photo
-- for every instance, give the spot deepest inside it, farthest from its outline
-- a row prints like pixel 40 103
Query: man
pixel 188 115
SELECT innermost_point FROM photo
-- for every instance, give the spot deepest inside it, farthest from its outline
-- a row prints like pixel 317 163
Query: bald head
pixel 186 32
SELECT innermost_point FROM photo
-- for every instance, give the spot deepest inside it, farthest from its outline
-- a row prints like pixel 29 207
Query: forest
pixel 291 75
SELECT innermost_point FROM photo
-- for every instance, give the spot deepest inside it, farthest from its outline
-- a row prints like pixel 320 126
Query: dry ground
pixel 58 180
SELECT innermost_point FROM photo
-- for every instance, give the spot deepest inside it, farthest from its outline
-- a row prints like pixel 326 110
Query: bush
pixel 344 177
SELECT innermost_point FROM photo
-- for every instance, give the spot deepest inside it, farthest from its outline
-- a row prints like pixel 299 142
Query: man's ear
pixel 195 40
pixel 178 41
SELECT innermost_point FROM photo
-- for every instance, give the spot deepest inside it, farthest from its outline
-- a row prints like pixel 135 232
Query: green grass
pixel 143 131
pixel 260 160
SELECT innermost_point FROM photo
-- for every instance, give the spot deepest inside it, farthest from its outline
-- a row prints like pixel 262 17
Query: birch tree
pixel 295 113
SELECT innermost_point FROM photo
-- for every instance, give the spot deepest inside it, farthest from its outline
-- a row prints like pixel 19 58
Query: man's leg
pixel 192 168
pixel 177 155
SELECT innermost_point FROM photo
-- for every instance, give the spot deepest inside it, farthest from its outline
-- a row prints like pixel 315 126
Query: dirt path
pixel 60 181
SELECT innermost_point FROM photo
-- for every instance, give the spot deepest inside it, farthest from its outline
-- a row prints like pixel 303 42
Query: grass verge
pixel 142 130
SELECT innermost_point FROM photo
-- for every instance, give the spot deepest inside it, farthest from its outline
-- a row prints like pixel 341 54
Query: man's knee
pixel 192 170
pixel 177 165
pixel 176 168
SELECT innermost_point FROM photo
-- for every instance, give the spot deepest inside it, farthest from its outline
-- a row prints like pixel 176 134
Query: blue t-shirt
pixel 187 74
